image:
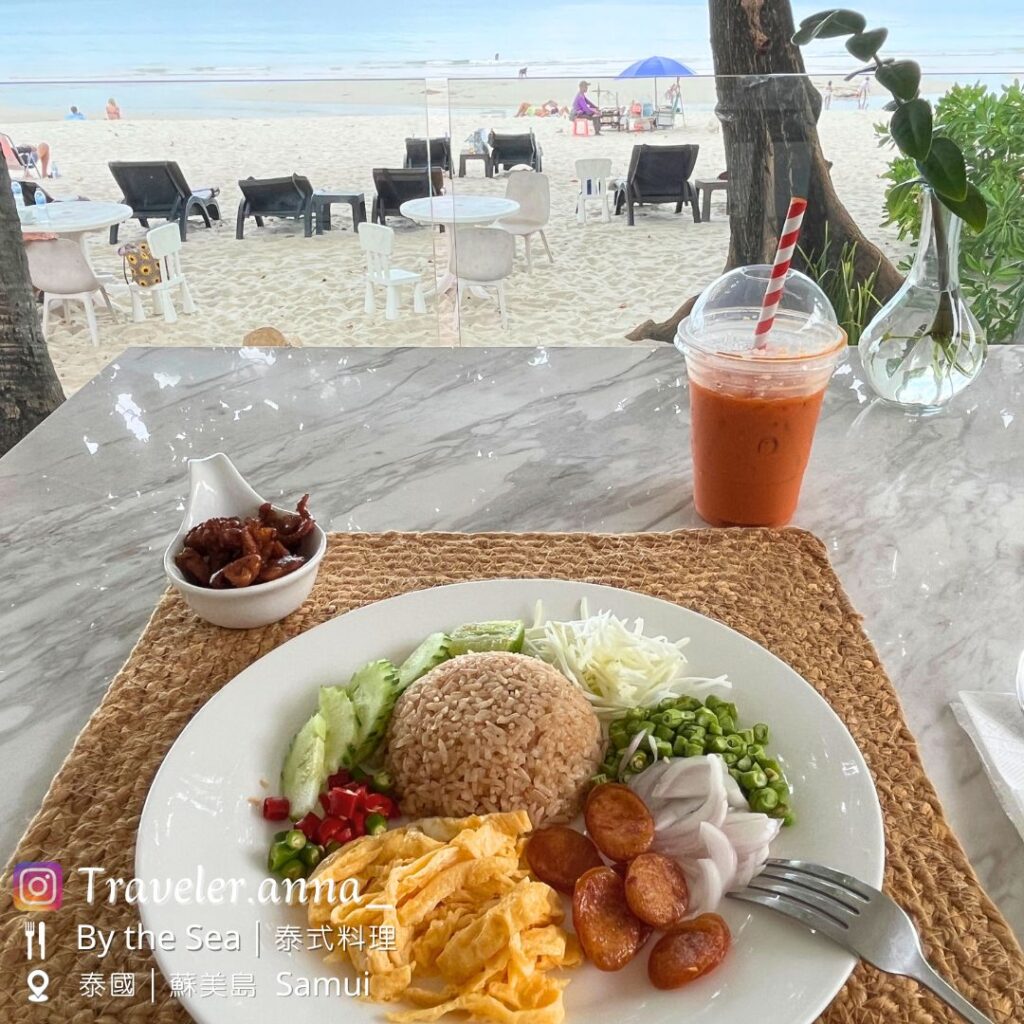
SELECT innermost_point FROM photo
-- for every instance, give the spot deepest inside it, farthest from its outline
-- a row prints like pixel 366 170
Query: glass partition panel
pixel 610 273
pixel 332 134
pixel 599 269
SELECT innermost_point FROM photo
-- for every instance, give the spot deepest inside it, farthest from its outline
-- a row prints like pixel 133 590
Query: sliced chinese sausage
pixel 610 934
pixel 656 890
pixel 689 951
pixel 558 855
pixel 618 821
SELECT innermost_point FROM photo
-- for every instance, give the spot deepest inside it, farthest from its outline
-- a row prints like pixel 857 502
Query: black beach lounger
pixel 276 197
pixel 396 186
pixel 659 174
pixel 439 154
pixel 157 188
pixel 510 150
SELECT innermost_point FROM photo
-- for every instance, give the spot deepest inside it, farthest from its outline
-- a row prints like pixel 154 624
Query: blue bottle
pixel 41 210
pixel 19 199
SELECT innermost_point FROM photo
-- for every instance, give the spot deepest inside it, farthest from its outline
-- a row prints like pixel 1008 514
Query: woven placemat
pixel 775 586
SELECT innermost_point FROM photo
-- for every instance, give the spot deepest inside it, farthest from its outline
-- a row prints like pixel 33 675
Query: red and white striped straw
pixel 777 279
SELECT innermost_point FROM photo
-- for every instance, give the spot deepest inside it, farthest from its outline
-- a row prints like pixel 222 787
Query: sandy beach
pixel 606 277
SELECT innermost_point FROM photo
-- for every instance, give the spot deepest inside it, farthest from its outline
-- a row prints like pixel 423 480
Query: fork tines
pixel 822 899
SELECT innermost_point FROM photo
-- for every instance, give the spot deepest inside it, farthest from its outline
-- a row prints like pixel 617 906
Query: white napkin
pixel 995 723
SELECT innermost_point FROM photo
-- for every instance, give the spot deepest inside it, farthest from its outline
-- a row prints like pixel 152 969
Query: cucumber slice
pixel 476 637
pixel 374 690
pixel 342 729
pixel 303 772
pixel 428 655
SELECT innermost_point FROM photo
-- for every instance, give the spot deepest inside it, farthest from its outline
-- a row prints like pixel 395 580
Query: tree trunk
pixel 29 389
pixel 769 110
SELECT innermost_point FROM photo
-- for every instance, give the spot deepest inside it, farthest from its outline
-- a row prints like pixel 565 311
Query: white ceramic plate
pixel 198 814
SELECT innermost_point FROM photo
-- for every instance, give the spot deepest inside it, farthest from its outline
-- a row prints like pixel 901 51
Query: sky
pixel 110 37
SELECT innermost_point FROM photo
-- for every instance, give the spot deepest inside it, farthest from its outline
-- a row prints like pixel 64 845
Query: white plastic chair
pixel 482 258
pixel 378 242
pixel 531 190
pixel 59 269
pixel 164 245
pixel 593 175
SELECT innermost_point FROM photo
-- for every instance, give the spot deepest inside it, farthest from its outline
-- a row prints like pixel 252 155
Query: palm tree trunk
pixel 769 110
pixel 29 389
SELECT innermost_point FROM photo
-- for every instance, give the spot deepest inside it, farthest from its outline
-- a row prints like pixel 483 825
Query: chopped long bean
pixel 686 727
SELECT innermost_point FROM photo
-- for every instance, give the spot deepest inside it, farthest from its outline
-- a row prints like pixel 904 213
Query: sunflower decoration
pixel 139 261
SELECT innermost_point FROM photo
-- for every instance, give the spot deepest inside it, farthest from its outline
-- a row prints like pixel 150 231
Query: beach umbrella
pixel 656 67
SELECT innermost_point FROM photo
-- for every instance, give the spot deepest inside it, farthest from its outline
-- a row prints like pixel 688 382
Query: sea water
pixel 94 48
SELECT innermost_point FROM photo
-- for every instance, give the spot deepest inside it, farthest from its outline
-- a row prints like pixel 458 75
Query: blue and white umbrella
pixel 656 67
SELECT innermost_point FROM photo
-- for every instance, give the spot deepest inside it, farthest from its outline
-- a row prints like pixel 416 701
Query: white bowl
pixel 216 488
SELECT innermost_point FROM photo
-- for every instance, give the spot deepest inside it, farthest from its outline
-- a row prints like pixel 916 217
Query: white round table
pixel 458 209
pixel 450 211
pixel 75 217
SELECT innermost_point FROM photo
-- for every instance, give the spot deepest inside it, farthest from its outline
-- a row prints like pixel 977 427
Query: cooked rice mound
pixel 493 732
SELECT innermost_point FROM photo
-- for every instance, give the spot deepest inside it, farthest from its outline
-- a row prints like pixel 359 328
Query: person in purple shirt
pixel 583 108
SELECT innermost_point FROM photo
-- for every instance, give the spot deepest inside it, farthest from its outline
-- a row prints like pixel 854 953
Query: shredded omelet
pixel 467 920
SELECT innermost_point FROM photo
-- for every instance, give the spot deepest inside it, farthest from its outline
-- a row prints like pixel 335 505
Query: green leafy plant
pixel 853 300
pixel 989 128
pixel 937 158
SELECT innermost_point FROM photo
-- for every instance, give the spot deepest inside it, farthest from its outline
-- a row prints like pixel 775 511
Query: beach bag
pixel 140 263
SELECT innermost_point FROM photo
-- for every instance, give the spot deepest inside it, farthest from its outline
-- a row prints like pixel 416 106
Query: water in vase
pixel 925 346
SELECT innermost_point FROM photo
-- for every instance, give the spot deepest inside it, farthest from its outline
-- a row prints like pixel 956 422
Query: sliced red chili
pixel 341 803
pixel 381 803
pixel 276 808
pixel 309 825
pixel 329 829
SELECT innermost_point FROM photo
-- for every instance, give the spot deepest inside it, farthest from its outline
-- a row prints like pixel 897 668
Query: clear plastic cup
pixel 754 411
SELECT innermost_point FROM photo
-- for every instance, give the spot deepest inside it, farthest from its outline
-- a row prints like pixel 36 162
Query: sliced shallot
pixel 702 820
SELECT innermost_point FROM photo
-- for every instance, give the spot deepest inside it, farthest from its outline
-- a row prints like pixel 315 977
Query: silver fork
pixel 857 917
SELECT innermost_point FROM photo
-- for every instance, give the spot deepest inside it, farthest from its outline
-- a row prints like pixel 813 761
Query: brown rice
pixel 493 732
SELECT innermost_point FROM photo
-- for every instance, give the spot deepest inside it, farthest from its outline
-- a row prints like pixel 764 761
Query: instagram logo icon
pixel 38 885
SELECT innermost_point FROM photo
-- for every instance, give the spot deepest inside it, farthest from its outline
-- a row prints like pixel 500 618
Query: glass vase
pixel 925 346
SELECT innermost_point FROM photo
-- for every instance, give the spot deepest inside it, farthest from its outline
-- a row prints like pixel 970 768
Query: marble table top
pixel 923 517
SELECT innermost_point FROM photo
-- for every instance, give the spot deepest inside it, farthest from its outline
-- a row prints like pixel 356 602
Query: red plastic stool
pixel 581 126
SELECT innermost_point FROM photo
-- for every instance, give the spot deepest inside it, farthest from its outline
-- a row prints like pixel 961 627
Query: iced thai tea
pixel 754 411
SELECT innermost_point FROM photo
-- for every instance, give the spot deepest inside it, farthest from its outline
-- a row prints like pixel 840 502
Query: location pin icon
pixel 38 983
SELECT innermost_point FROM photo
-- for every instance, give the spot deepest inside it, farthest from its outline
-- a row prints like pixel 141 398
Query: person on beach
pixel 862 94
pixel 583 109
pixel 74 114
pixel 828 96
pixel 14 154
pixel 113 110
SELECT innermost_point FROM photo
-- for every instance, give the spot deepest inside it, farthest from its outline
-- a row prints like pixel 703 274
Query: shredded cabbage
pixel 615 665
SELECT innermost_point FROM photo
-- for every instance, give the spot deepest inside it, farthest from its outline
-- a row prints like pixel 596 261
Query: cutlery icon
pixel 35 939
